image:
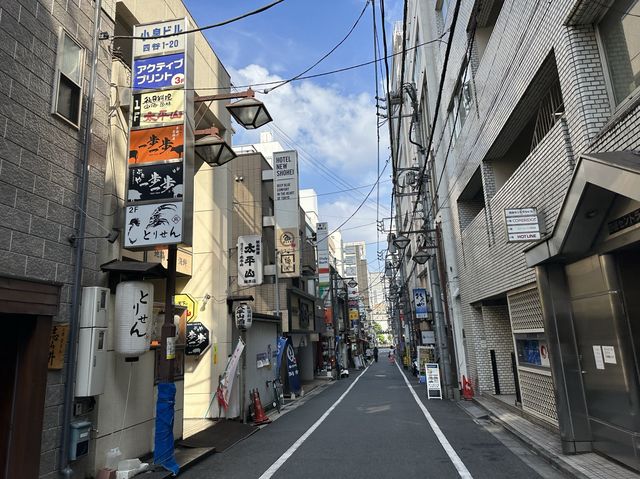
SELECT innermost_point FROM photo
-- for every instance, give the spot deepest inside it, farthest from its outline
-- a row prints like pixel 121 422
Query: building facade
pixel 531 138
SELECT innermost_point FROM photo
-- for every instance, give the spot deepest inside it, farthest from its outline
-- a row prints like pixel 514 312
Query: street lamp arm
pixel 248 93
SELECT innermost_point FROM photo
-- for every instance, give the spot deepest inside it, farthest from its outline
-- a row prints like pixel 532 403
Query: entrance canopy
pixel 599 179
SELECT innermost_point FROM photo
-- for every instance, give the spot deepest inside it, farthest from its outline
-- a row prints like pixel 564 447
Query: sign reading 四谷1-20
pixel 152 45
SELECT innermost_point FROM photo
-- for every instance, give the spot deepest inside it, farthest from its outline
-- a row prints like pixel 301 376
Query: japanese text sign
pixel 58 345
pixel 159 46
pixel 152 182
pixel 420 302
pixel 158 108
pixel 249 260
pixel 197 339
pixel 156 144
pixel 158 72
pixel 153 224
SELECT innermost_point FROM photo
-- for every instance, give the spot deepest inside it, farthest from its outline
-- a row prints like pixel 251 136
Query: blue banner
pixel 292 368
pixel 163 451
pixel 158 72
pixel 420 301
pixel 282 342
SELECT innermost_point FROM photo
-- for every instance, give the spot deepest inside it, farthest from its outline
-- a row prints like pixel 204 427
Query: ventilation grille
pixel 538 395
pixel 525 311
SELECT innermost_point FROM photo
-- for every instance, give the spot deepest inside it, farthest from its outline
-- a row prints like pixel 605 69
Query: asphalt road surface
pixel 372 426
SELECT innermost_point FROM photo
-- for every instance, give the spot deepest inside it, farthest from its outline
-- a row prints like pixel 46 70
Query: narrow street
pixel 370 425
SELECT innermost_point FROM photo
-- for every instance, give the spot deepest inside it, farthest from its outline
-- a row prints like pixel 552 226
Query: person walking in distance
pixel 375 353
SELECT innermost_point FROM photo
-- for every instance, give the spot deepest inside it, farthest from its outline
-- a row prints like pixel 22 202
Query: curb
pixel 552 458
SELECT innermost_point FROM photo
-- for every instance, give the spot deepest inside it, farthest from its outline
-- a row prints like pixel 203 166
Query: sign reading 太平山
pixel 158 108
pixel 249 260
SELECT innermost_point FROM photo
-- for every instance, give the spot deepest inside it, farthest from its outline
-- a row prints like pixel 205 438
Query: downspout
pixel 65 467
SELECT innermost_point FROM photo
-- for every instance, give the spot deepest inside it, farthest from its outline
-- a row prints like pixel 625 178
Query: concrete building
pixel 48 159
pixel 531 141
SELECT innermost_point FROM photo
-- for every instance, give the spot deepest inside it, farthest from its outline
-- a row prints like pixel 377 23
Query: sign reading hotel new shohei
pixel 523 224
pixel 286 205
pixel 160 168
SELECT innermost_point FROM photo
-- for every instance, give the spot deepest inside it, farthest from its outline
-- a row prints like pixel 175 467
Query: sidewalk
pixel 547 444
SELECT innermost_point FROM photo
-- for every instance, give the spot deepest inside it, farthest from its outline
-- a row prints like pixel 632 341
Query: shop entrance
pixel 23 375
pixel 605 304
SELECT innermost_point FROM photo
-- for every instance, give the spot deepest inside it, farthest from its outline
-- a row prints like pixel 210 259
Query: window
pixel 67 91
pixel 443 7
pixel 620 34
pixel 461 103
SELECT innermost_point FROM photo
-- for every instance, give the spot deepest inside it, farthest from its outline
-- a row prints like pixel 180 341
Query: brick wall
pixel 40 164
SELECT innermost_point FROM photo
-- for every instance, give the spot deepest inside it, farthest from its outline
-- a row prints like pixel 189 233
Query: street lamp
pixel 248 111
pixel 401 241
pixel 213 149
pixel 421 257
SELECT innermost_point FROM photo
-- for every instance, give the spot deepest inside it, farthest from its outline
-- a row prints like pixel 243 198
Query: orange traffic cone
pixel 467 390
pixel 260 416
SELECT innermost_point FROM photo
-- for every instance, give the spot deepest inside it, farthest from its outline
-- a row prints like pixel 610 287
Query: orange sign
pixel 156 144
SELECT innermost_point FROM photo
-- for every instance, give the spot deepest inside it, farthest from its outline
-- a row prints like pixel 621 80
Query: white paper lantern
pixel 133 318
pixel 244 316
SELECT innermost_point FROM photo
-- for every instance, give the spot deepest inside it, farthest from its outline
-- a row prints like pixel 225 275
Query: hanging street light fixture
pixel 401 241
pixel 248 111
pixel 421 257
pixel 212 148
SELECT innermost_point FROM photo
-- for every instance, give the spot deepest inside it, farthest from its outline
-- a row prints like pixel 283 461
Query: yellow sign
pixel 354 314
pixel 188 302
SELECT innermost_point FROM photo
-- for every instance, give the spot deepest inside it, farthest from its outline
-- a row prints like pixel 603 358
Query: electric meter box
pixel 79 439
pixel 94 312
pixel 92 342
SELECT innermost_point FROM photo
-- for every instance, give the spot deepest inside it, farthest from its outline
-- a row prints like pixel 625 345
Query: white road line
pixel 289 452
pixel 455 459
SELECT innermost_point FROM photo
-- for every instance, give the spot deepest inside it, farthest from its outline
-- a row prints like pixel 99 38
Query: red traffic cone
pixel 260 416
pixel 467 390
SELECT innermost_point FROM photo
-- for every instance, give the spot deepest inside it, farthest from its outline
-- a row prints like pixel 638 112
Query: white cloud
pixel 329 125
pixel 335 128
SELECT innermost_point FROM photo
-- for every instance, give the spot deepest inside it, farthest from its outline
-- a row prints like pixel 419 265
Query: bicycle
pixel 278 393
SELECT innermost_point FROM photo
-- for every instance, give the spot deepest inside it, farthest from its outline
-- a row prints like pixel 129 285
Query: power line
pixel 366 4
pixel 200 29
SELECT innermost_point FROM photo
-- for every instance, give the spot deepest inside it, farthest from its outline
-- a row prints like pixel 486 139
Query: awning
pixel 140 268
pixel 597 180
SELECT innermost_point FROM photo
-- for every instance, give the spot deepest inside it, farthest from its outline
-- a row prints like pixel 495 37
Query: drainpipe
pixel 65 467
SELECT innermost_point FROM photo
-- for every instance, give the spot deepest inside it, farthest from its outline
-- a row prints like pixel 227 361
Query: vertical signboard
pixel 286 207
pixel 249 260
pixel 323 259
pixel 420 302
pixel 353 303
pixel 159 195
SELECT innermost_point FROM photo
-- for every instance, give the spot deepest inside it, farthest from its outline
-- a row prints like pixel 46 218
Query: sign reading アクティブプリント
pixel 160 174
pixel 286 206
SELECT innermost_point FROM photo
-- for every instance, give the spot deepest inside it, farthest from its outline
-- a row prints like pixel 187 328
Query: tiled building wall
pixel 497 331
pixel 40 164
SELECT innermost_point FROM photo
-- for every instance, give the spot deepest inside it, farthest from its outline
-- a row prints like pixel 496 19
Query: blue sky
pixel 330 120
